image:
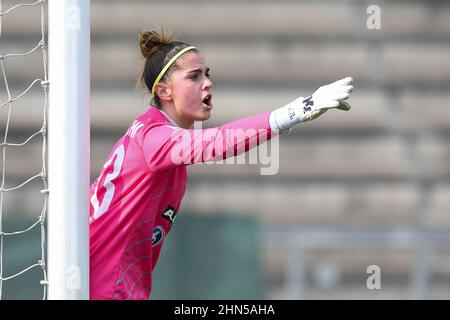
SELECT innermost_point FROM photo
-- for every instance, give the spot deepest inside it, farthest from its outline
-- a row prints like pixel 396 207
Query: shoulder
pixel 149 119
pixel 152 127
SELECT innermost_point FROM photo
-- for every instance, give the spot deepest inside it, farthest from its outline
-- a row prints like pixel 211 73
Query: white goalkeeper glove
pixel 327 97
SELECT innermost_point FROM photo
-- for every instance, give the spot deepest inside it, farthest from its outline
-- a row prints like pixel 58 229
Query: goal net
pixel 44 105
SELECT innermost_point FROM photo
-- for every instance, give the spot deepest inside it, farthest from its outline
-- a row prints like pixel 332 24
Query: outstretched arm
pixel 168 146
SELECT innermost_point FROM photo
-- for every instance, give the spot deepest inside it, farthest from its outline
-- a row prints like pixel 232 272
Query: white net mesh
pixel 13 140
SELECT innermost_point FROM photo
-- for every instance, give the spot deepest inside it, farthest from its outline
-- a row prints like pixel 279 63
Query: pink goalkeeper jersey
pixel 135 199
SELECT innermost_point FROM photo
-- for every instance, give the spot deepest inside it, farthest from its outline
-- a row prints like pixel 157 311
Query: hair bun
pixel 151 41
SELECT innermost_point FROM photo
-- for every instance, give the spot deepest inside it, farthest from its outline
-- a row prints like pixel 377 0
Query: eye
pixel 194 76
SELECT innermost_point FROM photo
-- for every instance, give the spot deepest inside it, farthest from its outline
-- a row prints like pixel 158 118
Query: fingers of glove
pixel 340 96
pixel 339 93
pixel 347 88
pixel 339 89
pixel 333 92
pixel 327 104
pixel 345 106
pixel 344 81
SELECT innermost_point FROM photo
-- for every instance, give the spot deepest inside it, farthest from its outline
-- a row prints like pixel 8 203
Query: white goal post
pixel 68 149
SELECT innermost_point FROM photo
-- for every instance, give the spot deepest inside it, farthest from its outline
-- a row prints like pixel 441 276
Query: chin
pixel 205 115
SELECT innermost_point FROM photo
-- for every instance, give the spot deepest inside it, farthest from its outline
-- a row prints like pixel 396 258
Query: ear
pixel 163 91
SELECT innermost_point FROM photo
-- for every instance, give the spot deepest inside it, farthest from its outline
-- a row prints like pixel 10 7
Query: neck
pixel 175 117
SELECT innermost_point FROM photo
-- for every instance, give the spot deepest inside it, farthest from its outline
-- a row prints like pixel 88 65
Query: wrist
pixel 286 117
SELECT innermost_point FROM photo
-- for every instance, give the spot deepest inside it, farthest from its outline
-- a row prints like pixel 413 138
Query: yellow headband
pixel 167 66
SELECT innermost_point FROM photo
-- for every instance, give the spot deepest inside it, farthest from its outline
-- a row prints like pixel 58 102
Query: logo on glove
pixel 307 103
pixel 291 113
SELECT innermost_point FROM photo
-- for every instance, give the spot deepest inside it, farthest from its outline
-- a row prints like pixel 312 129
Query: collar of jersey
pixel 169 118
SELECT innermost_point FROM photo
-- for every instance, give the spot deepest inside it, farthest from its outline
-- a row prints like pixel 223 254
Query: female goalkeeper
pixel 135 199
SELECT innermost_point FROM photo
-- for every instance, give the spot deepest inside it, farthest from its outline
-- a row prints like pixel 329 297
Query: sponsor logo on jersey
pixel 158 235
pixel 169 214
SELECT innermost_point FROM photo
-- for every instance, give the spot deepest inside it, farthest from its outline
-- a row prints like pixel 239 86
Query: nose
pixel 208 84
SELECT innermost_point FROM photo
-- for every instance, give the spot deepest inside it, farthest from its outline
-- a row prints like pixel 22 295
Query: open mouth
pixel 208 100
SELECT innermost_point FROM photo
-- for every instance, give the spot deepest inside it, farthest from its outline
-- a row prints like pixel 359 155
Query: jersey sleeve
pixel 166 146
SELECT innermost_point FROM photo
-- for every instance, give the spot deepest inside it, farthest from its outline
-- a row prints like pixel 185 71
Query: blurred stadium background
pixel 367 187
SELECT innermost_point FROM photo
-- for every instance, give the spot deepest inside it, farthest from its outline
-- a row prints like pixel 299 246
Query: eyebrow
pixel 198 70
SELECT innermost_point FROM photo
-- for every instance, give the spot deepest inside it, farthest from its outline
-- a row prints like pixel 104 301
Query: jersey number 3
pixel 101 208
